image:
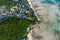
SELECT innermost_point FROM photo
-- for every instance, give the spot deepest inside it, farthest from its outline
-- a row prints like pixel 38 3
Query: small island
pixel 15 17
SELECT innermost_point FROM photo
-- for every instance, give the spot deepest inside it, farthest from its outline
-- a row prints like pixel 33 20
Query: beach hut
pixel 23 16
pixel 8 14
pixel 15 0
pixel 28 29
pixel 27 5
pixel 1 16
pixel 3 7
pixel 21 10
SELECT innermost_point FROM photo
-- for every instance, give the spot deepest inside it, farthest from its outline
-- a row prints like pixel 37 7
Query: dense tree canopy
pixel 13 29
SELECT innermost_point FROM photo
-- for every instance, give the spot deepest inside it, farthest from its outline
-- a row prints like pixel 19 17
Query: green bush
pixel 13 29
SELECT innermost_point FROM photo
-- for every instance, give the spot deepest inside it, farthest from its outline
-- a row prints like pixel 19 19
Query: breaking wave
pixel 54 21
pixel 50 17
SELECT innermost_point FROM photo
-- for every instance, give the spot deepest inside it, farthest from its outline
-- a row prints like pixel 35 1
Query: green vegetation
pixel 8 3
pixel 3 2
pixel 14 28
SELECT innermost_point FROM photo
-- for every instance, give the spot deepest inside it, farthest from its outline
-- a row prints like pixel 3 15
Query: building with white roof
pixel 15 0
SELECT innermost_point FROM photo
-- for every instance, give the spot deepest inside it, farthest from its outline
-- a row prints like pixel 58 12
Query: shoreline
pixel 33 10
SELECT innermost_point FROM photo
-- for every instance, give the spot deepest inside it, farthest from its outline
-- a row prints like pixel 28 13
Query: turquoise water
pixel 52 1
pixel 55 20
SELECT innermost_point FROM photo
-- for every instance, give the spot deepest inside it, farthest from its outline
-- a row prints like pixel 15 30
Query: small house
pixel 15 0
pixel 23 16
pixel 1 16
pixel 8 14
pixel 3 7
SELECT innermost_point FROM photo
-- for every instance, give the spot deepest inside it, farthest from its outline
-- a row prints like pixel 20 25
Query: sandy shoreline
pixel 44 13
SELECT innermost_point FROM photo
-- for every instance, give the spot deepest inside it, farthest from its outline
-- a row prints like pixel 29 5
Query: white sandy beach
pixel 45 14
